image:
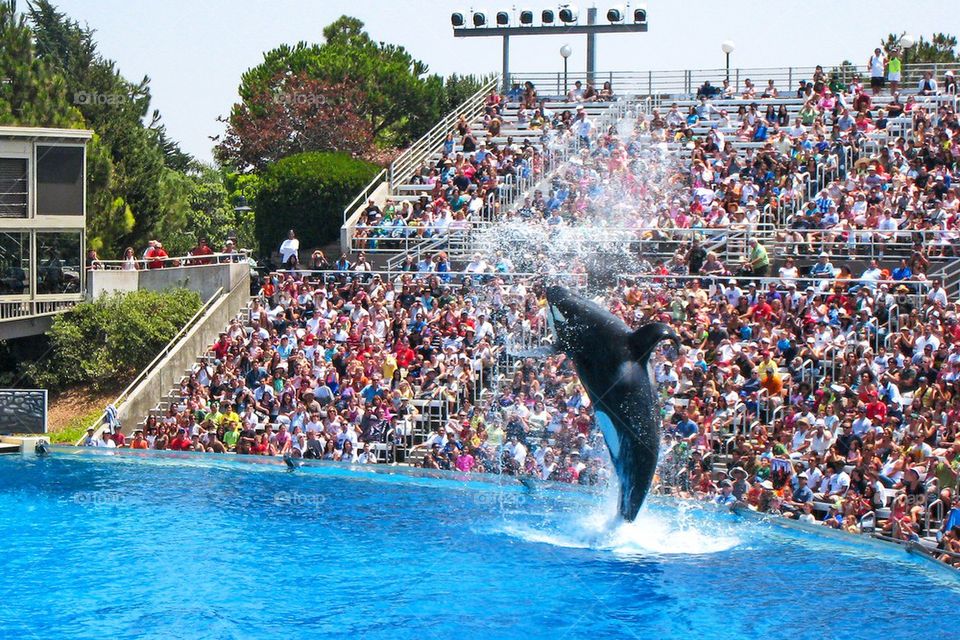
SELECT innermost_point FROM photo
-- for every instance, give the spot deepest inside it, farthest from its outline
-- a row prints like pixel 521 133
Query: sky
pixel 194 51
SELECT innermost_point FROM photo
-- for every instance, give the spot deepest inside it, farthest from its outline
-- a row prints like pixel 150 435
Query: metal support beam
pixel 506 63
pixel 591 47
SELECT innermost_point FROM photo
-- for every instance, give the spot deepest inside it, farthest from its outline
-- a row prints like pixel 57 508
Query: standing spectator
pixel 877 65
pixel 583 126
pixel 93 260
pixel 129 260
pixel 894 65
pixel 202 249
pixel 156 256
pixel 758 262
pixel 289 251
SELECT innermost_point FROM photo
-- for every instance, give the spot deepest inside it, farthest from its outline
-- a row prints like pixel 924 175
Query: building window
pixel 13 188
pixel 59 181
pixel 14 263
pixel 58 262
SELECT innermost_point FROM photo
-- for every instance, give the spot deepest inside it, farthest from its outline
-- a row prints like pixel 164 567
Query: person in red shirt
pixel 405 354
pixel 156 257
pixel 118 437
pixel 181 442
pixel 202 249
pixel 221 346
pixel 761 311
pixel 876 409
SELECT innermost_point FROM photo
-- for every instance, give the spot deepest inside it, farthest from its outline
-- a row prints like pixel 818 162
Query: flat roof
pixel 45 133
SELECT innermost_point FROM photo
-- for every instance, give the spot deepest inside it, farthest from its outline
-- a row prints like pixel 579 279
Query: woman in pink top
pixel 465 461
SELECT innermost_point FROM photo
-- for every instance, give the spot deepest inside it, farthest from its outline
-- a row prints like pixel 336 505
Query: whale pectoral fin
pixel 644 340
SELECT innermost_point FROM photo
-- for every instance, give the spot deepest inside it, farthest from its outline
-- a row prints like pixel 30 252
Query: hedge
pixel 307 192
pixel 113 337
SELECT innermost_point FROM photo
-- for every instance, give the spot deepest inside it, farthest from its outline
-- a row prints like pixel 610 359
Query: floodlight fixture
pixel 568 13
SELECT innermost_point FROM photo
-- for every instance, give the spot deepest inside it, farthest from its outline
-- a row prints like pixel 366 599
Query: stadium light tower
pixel 566 19
pixel 727 46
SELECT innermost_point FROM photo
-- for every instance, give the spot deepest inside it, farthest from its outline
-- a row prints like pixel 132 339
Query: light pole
pixel 565 52
pixel 727 46
pixel 906 41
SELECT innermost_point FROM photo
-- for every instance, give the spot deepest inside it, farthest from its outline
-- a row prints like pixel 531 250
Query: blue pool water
pixel 121 547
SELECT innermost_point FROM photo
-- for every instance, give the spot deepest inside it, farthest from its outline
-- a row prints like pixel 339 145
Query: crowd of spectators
pixel 467 180
pixel 816 394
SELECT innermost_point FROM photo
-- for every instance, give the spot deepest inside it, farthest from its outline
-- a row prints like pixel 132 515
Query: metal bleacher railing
pixel 686 82
pixel 408 161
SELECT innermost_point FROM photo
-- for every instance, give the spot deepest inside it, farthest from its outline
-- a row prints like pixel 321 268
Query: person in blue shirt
pixel 802 493
pixel 726 497
pixel 686 428
pixel 903 272
pixel 284 349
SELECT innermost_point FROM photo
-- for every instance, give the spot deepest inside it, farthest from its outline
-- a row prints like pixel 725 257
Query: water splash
pixel 666 528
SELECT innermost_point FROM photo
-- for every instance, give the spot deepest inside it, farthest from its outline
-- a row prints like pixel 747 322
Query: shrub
pixel 307 193
pixel 112 337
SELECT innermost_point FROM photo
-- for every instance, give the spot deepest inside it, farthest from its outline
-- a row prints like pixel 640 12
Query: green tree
pixel 133 196
pixel 400 100
pixel 213 213
pixel 112 337
pixel 457 88
pixel 940 49
pixel 32 92
pixel 307 192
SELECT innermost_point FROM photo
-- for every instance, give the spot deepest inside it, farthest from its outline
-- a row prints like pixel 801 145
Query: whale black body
pixel 613 364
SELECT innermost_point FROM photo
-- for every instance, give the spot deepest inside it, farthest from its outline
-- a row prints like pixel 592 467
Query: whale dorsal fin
pixel 644 340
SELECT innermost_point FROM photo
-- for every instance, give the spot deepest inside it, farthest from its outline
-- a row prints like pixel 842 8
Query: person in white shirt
pixel 290 250
pixel 937 294
pixel 583 126
pixel 862 423
pixel 878 68
pixel 367 456
pixel 821 440
pixel 871 275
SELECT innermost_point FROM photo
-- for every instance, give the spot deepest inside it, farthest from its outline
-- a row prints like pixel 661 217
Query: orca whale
pixel 613 365
pixel 292 463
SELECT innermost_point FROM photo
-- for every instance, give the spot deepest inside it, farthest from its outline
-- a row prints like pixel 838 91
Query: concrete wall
pixel 167 373
pixel 205 279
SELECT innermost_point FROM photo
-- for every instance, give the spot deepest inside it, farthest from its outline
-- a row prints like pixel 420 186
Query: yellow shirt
pixel 389 366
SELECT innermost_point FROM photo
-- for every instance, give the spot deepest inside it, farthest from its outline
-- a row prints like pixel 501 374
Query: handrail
pixel 404 165
pixel 160 356
pixel 189 260
pixel 364 194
